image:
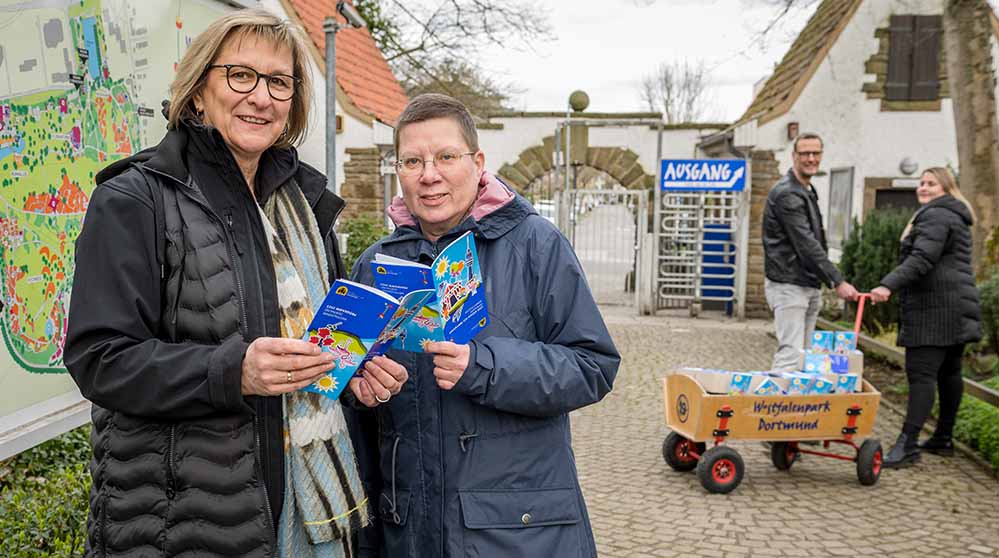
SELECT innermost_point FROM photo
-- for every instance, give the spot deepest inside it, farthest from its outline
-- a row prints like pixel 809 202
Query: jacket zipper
pixel 171 477
pixel 443 458
pixel 263 481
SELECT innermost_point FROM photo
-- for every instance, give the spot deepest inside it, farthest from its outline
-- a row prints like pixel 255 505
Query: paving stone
pixel 640 507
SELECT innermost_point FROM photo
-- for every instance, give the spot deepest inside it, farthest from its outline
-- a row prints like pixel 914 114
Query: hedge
pixel 869 254
pixel 363 231
pixel 44 498
pixel 978 425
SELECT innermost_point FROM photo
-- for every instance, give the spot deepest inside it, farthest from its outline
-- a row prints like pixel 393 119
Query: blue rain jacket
pixel 487 469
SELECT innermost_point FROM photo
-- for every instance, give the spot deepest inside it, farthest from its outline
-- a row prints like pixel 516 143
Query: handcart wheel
pixel 720 470
pixel 783 455
pixel 869 460
pixel 677 452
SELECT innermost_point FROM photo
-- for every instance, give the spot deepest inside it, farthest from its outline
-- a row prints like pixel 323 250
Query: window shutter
pixel 926 58
pixel 900 47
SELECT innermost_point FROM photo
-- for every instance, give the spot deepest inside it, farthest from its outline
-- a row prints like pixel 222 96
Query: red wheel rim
pixel 876 463
pixel 790 454
pixel 683 451
pixel 723 471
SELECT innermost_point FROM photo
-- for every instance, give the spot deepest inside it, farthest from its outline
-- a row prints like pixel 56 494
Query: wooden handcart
pixel 696 418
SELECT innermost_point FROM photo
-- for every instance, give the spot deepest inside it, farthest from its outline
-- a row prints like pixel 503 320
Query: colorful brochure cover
pixel 846 342
pixel 822 341
pixel 356 323
pixel 458 311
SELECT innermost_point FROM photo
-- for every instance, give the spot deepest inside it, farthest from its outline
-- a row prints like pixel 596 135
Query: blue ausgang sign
pixel 703 174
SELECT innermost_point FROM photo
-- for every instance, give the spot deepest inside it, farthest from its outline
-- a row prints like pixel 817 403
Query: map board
pixel 81 85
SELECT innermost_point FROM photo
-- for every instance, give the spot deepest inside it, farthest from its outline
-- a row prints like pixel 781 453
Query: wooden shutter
pixel 900 47
pixel 926 58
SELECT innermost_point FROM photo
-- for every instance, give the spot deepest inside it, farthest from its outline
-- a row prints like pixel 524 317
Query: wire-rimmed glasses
pixel 444 161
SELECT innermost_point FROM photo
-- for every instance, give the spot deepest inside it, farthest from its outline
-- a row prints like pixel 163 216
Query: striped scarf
pixel 324 502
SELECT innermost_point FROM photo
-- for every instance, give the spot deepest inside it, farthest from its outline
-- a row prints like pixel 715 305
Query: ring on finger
pixel 386 400
pixel 291 378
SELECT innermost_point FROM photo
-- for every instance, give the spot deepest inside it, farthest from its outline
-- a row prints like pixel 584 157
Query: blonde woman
pixel 197 268
pixel 939 314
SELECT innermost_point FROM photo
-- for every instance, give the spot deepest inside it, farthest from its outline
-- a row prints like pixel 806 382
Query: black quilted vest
pixel 188 487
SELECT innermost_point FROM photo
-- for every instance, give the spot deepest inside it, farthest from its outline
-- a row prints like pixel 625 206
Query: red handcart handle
pixel 861 298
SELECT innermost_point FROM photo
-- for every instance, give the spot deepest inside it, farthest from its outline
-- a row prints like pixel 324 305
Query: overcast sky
pixel 605 47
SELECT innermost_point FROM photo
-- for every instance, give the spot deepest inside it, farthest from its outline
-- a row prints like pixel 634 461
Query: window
pixel 840 206
pixel 914 58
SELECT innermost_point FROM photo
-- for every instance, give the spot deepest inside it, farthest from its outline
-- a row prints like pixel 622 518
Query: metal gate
pixel 698 257
pixel 606 229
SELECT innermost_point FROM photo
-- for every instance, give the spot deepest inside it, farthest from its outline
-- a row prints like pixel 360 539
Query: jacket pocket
pixel 530 523
pixel 393 510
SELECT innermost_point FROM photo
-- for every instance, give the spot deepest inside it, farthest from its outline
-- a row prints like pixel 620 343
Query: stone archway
pixel 620 164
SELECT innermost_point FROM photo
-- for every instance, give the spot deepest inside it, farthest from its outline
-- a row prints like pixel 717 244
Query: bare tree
pixel 428 41
pixel 679 90
pixel 467 83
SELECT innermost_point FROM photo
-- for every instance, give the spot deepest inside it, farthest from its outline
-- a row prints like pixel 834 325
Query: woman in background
pixel 939 311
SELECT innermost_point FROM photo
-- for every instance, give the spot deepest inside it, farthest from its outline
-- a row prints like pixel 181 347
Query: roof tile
pixel 361 71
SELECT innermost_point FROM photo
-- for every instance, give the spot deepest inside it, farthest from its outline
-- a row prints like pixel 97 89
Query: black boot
pixel 904 453
pixel 939 445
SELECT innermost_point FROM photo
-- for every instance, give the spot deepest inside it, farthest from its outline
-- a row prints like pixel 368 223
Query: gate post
pixel 742 244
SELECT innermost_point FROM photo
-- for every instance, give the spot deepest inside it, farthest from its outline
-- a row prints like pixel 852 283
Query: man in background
pixel 796 255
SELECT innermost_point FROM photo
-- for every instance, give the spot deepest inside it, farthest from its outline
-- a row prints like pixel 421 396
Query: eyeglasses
pixel 444 161
pixel 244 79
pixel 807 154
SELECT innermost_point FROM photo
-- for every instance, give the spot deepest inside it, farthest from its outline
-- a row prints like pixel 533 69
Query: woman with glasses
pixel 939 311
pixel 474 455
pixel 198 267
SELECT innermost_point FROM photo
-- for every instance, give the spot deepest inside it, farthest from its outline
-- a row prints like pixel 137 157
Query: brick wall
pixel 362 186
pixel 765 174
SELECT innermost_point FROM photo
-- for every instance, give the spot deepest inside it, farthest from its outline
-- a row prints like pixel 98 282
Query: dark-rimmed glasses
pixel 244 79
pixel 444 161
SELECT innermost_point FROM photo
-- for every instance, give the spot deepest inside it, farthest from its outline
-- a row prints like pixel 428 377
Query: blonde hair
pixel 238 25
pixel 949 183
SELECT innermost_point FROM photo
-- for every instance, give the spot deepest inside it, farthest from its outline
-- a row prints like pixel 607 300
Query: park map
pixel 80 85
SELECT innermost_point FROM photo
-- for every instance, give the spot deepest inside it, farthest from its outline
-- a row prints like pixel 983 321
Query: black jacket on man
pixel 173 281
pixel 794 242
pixel 935 281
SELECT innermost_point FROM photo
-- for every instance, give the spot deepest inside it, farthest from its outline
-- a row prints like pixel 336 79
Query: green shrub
pixel 363 231
pixel 978 425
pixel 989 291
pixel 869 254
pixel 44 498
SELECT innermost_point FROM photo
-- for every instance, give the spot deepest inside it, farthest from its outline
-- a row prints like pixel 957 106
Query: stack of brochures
pixel 410 302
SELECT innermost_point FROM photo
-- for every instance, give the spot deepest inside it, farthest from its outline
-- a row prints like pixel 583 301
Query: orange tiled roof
pixel 361 70
pixel 801 60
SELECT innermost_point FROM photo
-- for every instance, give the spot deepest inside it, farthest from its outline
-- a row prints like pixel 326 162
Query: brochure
pixel 458 310
pixel 356 323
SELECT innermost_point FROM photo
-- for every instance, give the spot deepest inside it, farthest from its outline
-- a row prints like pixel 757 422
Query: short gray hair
pixel 434 105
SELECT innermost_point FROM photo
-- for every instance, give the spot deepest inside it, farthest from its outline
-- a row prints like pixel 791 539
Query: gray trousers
pixel 795 310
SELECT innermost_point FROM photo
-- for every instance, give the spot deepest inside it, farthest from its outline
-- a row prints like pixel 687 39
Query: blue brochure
pixel 457 312
pixel 356 323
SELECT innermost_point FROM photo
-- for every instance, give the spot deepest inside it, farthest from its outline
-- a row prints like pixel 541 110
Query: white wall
pixel 520 133
pixel 856 133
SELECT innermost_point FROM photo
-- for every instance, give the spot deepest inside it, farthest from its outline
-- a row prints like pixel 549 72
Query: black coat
pixel 794 242
pixel 183 463
pixel 935 280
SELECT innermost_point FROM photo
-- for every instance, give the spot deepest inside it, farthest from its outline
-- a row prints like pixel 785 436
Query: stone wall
pixel 362 185
pixel 765 174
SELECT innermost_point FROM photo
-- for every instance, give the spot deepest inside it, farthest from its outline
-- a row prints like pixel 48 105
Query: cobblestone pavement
pixel 640 507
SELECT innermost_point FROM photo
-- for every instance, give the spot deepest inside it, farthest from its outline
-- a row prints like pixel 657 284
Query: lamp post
pixel 330 27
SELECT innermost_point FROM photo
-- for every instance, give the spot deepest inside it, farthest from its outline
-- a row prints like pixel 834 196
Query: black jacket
pixel 935 280
pixel 173 280
pixel 794 242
